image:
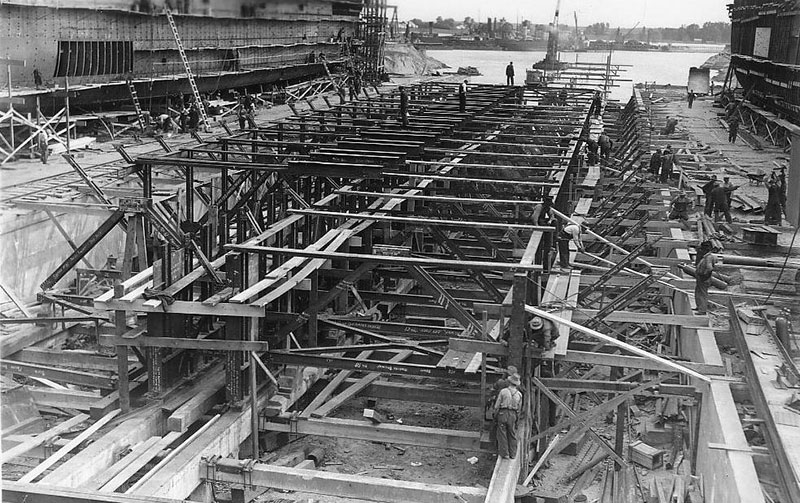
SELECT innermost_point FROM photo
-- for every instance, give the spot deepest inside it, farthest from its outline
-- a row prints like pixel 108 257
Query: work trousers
pixel 563 252
pixel 701 294
pixel 507 433
pixel 509 80
pixel 462 103
pixel 724 209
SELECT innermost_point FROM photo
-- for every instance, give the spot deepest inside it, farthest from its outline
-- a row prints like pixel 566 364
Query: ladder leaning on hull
pixel 189 75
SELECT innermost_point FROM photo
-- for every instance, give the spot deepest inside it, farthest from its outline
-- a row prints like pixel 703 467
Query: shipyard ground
pixel 729 430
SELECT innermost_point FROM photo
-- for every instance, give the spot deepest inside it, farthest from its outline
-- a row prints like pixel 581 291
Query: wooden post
pixel 517 337
pixel 123 384
pixel 253 391
pixel 313 298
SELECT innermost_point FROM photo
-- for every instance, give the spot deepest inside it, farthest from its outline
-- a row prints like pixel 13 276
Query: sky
pixel 624 13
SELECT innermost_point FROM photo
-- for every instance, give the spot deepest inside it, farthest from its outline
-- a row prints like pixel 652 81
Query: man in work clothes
pixel 719 198
pixel 605 146
pixel 704 269
pixel 462 97
pixel 404 106
pixel 733 129
pixel 667 164
pixel 655 164
pixel 691 98
pixel 543 215
pixel 570 232
pixel 510 74
pixel 41 142
pixel 680 209
pixel 507 407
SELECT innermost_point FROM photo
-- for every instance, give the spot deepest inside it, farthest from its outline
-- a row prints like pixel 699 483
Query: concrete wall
pixel 31 247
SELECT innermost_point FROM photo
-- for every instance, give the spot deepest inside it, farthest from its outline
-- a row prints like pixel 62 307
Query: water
pixel 660 67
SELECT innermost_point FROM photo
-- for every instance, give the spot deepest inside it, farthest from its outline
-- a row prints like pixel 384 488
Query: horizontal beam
pixel 422 221
pixel 16 492
pixel 440 199
pixel 366 365
pixel 172 342
pixel 343 485
pixel 491 181
pixel 59 375
pixel 436 438
pixel 385 259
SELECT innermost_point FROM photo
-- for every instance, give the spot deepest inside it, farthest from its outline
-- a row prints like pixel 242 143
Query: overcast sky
pixel 626 13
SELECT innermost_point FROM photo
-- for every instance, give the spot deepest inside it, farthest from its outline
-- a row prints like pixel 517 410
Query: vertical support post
pixel 313 298
pixel 123 384
pixel 254 390
pixel 517 336
pixel 66 105
pixel 11 106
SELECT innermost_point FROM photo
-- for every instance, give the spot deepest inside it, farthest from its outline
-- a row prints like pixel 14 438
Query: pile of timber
pixel 707 231
pixel 747 204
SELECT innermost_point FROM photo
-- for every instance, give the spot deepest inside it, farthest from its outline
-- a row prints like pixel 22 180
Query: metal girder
pixel 366 365
pixel 83 249
pixel 451 247
pixel 444 299
pixel 615 269
pixel 621 301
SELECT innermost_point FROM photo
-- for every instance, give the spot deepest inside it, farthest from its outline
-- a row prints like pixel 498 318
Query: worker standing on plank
pixel 772 213
pixel 691 98
pixel 570 232
pixel 507 407
pixel 510 74
pixel 667 164
pixel 733 129
pixel 462 97
pixel 655 164
pixel 44 150
pixel 704 269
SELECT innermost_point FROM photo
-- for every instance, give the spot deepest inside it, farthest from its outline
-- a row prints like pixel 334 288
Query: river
pixel 660 67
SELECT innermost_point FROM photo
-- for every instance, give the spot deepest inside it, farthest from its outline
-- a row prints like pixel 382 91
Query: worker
pixel 37 78
pixel 507 407
pixel 679 209
pixel 510 74
pixel 498 386
pixel 562 97
pixel 729 189
pixel 655 164
pixel 591 151
pixel 667 164
pixel 404 106
pixel 184 119
pixel 719 199
pixel 772 213
pixel 605 146
pixel 543 215
pixel 705 262
pixel 597 104
pixel 41 143
pixel 194 117
pixel 570 232
pixel 707 188
pixel 669 127
pixel 733 129
pixel 691 98
pixel 462 97
pixel 543 333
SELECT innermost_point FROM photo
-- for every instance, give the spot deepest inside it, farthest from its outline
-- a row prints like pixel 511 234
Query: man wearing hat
pixel 507 407
pixel 570 232
pixel 543 333
pixel 704 270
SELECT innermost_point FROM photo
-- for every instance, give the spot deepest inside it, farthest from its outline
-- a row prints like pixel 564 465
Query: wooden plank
pixel 356 388
pixel 70 399
pixel 43 437
pixel 102 478
pixel 14 492
pixel 331 387
pixel 194 408
pixel 139 462
pixel 343 485
pixel 71 445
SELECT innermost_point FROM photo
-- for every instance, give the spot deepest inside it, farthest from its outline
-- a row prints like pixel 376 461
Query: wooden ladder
pixel 136 105
pixel 189 75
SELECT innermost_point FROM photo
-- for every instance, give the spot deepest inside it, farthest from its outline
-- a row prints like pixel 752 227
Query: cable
pixel 783 267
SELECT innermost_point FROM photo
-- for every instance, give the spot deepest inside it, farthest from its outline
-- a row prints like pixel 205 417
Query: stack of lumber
pixel 747 204
pixel 763 280
pixel 707 231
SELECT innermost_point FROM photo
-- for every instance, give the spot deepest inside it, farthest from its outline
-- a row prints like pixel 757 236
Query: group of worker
pixel 571 231
pixel 662 164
